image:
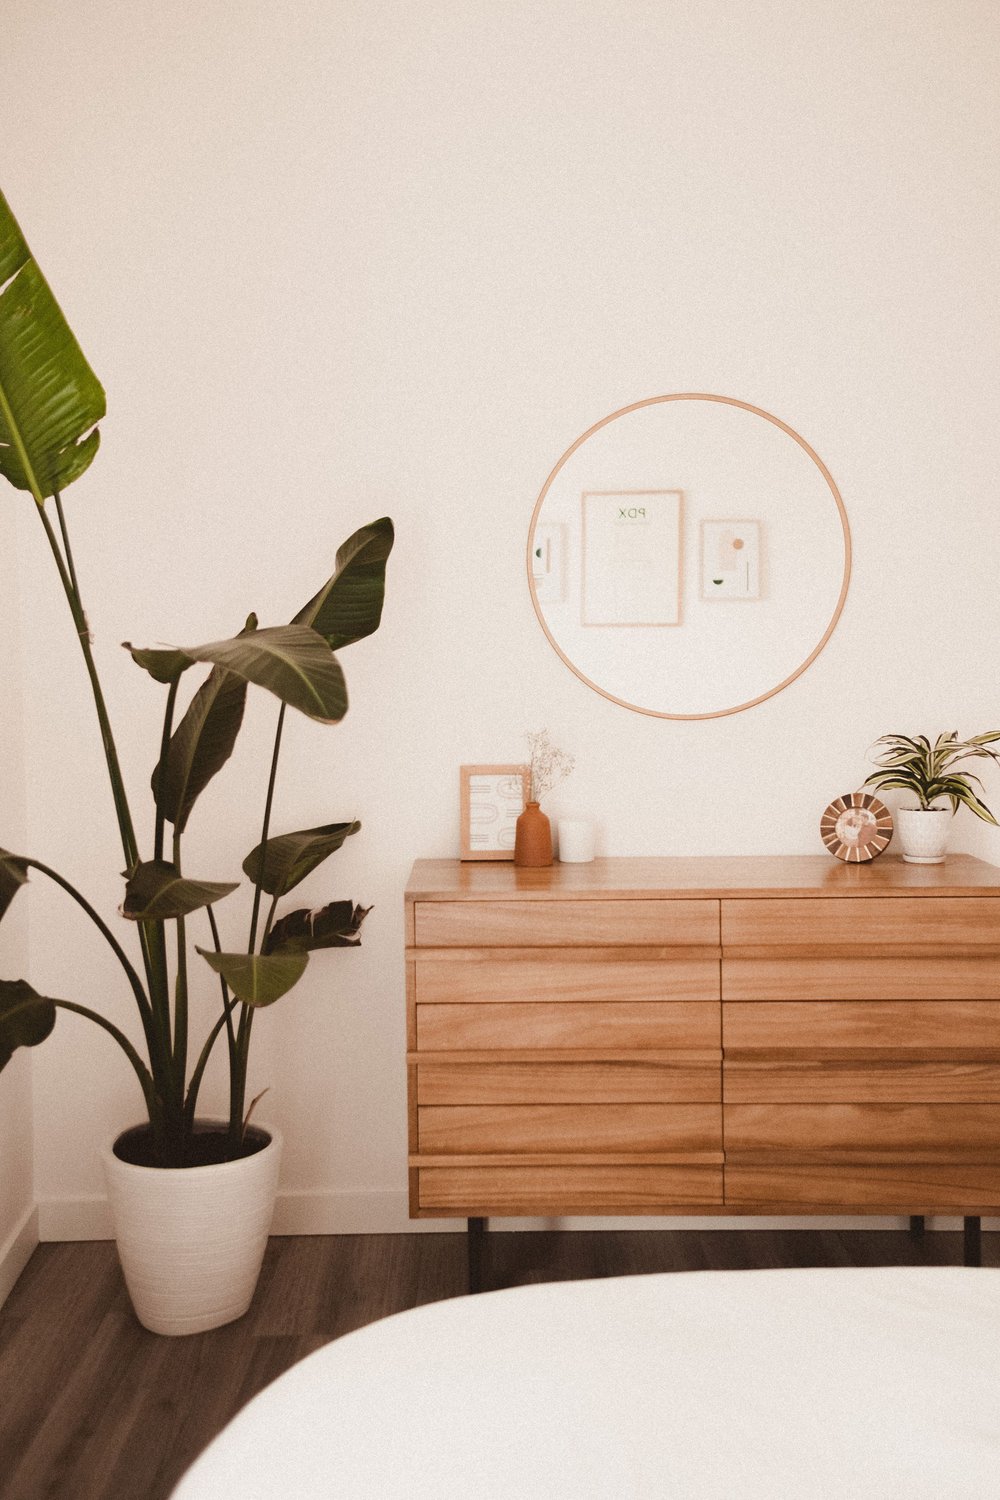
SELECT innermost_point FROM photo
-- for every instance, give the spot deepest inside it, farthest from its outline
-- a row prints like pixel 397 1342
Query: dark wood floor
pixel 92 1407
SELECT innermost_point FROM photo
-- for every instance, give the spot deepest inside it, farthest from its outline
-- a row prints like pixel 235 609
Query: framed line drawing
pixel 492 800
pixel 632 546
pixel 730 560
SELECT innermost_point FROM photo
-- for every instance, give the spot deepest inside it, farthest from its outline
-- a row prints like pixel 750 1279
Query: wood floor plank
pixel 92 1407
pixel 52 1316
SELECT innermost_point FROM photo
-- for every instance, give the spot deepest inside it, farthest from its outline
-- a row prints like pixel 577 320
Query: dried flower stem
pixel 549 766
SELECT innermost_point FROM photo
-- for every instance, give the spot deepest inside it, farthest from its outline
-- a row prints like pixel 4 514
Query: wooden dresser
pixel 697 1036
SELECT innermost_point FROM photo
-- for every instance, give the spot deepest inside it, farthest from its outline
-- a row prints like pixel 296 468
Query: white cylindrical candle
pixel 576 841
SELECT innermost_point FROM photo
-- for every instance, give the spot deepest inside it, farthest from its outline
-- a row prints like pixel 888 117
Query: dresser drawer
pixel 861 979
pixel 518 979
pixel 555 924
pixel 889 1080
pixel 910 1187
pixel 909 1128
pixel 567 1024
pixel 896 1024
pixel 618 1038
pixel 474 1129
pixel 618 1082
pixel 469 1191
pixel 944 920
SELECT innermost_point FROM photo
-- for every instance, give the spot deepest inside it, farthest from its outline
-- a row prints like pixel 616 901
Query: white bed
pixel 715 1385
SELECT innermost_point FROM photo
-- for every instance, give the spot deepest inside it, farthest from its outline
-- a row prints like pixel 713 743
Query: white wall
pixel 18 1217
pixel 338 261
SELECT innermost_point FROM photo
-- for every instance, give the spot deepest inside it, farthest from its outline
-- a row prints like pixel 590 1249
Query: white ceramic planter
pixel 191 1239
pixel 923 833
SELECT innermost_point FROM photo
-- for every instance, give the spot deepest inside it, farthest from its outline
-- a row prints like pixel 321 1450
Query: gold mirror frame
pixel 758 411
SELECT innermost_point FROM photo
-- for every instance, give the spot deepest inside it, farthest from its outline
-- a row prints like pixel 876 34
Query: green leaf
pixel 167 663
pixel 26 1018
pixel 164 665
pixel 255 978
pixel 13 874
pixel 50 398
pixel 155 892
pixel 887 780
pixel 958 790
pixel 282 862
pixel 200 745
pixel 291 661
pixel 333 926
pixel 349 605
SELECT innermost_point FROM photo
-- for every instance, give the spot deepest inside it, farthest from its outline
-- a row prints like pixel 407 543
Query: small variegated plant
pixel 915 765
pixel 50 405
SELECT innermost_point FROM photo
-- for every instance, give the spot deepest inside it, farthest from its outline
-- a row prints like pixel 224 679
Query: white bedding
pixel 712 1385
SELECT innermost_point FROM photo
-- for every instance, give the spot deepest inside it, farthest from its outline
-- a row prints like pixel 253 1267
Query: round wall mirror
pixel 689 556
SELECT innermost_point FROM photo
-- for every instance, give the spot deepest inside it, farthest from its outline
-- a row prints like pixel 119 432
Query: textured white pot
pixel 191 1239
pixel 923 833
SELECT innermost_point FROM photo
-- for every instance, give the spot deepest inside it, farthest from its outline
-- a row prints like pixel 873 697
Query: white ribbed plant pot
pixel 923 833
pixel 191 1239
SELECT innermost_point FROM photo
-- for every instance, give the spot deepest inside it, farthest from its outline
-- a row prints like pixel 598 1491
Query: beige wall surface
pixel 18 1231
pixel 338 261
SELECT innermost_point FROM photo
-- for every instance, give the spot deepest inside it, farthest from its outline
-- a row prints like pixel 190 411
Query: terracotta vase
pixel 533 838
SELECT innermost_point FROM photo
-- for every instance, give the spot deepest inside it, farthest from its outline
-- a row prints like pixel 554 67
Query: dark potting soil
pixel 205 1148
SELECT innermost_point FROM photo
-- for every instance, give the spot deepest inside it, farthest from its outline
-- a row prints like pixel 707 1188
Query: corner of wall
pixel 18 1211
pixel 17 1250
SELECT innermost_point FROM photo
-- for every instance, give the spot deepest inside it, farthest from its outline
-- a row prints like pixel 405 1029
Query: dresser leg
pixel 973 1242
pixel 475 1243
pixel 916 1223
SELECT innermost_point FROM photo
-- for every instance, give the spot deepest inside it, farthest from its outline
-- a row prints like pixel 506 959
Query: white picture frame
pixel 730 565
pixel 548 562
pixel 632 557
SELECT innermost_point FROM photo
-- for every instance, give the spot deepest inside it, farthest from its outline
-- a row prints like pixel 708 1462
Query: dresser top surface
pixel 715 876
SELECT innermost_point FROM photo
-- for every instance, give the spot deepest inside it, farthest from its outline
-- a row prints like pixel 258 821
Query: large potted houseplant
pixel 192 1198
pixel 926 772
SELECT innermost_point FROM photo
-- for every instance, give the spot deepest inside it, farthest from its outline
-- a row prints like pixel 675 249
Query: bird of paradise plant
pixel 50 405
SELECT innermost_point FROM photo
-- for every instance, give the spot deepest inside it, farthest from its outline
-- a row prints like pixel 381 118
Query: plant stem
pixel 65 541
pixel 267 823
pixel 228 1005
pixel 150 939
pixel 268 923
pixel 127 831
pixel 180 998
pixel 238 1075
pixel 196 1077
pixel 238 1080
pixel 161 770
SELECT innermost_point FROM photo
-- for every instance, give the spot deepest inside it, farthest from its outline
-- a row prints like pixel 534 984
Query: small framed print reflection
pixel 492 800
pixel 632 544
pixel 730 559
pixel 548 562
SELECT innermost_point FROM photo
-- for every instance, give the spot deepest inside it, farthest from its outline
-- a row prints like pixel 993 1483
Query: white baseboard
pixel 386 1211
pixel 360 1212
pixel 16 1251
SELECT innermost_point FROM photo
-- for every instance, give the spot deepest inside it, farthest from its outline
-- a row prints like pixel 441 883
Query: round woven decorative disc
pixel 856 828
